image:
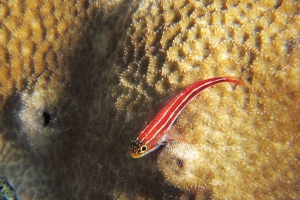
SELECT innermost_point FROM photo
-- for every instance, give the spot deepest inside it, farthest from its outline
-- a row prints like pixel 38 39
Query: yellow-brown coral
pixel 81 70
pixel 179 160
pixel 248 136
pixel 37 39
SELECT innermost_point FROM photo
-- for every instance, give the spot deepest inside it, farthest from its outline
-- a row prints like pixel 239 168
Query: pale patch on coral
pixel 179 164
pixel 35 118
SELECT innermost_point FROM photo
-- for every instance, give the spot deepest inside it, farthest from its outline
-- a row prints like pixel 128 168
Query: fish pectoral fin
pixel 176 137
pixel 164 140
pixel 171 138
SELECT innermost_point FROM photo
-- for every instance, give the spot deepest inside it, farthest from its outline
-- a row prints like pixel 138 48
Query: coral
pixel 180 159
pixel 177 43
pixel 38 38
pixel 36 47
pixel 6 191
pixel 240 133
pixel 76 79
pixel 28 52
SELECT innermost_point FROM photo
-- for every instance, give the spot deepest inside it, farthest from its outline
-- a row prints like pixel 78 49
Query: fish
pixel 155 132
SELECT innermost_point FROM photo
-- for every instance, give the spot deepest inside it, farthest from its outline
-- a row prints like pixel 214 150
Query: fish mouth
pixel 134 155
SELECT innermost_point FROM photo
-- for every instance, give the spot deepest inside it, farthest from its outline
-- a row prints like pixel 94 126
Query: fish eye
pixel 143 148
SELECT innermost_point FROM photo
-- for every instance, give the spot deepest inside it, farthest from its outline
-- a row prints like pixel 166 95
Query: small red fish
pixel 155 132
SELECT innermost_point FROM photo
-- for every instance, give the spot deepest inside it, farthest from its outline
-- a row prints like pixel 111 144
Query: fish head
pixel 138 148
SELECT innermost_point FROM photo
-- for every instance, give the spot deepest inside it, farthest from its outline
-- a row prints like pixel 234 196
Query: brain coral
pixel 247 137
pixel 37 40
pixel 76 82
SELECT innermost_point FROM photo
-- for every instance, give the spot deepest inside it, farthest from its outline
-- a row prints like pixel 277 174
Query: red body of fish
pixel 155 132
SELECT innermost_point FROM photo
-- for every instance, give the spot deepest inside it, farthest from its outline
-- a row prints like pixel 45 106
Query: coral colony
pixel 77 78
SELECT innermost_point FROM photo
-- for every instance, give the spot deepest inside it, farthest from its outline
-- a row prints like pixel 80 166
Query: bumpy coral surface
pixel 37 41
pixel 244 140
pixel 181 160
pixel 77 78
pixel 6 191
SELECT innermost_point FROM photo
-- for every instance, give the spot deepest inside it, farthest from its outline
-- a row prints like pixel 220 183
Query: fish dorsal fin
pixel 151 112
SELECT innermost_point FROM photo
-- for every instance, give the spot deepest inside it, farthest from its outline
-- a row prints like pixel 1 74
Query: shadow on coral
pixel 88 158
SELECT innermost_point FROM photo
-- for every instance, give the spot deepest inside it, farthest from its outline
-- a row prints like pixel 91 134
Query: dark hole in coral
pixel 258 42
pixel 207 3
pixel 86 4
pixel 47 118
pixel 192 197
pixel 258 29
pixel 179 163
pixel 279 4
pixel 1 187
pixel 246 37
pixel 224 6
pixel 250 79
pixel 249 6
pixel 291 44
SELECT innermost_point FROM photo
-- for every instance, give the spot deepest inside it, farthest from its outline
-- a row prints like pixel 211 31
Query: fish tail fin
pixel 235 80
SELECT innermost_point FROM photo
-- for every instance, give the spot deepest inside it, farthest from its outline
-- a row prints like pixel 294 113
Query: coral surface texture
pixel 78 78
